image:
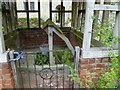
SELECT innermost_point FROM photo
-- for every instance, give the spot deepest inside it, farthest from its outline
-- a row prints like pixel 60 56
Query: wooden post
pixel 74 14
pixel 88 24
pixel 105 13
pixel 79 19
pixel 50 42
pixel 13 66
pixel 96 13
pixel 83 17
pixel 6 76
pixel 119 34
pixel 2 45
pixel 76 61
pixel 12 15
pixel 65 39
pixel 77 56
pixel 116 31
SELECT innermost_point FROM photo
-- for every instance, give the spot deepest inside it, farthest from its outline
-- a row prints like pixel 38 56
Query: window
pixel 61 14
pixel 31 5
pixel 24 5
pixel 28 17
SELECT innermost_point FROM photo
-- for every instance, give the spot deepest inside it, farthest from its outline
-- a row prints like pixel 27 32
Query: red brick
pixel 27 40
pixel 6 71
pixel 8 81
pixel 100 66
pixel 7 76
pixel 97 74
pixel 83 61
pixel 91 61
pixel 94 80
pixel 91 66
pixel 96 70
pixel 98 60
pixel 82 71
pixel 6 65
pixel 9 86
pixel 1 86
pixel 87 66
pixel 0 72
pixel 105 60
pixel 1 81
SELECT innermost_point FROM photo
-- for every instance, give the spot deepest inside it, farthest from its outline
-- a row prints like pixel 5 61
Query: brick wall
pixel 6 76
pixel 94 66
pixel 74 40
pixel 34 38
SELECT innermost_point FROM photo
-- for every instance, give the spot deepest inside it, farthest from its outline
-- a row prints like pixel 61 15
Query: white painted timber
pixel 97 53
pixel 88 24
pixel 106 7
pixel 3 54
pixel 117 27
pixel 65 39
pixel 3 57
pixel 2 46
pixel 77 56
pixel 76 61
pixel 50 42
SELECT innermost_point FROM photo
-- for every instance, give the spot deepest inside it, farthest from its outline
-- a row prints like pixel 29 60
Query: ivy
pixel 105 34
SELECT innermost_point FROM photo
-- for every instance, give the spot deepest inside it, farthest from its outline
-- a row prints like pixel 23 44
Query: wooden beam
pixel 50 42
pixel 2 45
pixel 39 15
pixel 65 39
pixel 97 53
pixel 74 14
pixel 12 15
pixel 88 24
pixel 31 11
pixel 76 61
pixel 117 25
pixel 106 7
pixel 27 8
pixel 3 54
pixel 50 3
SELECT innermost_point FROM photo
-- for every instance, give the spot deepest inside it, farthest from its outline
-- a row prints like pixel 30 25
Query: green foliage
pixel 108 79
pixel 22 22
pixel 105 34
pixel 66 57
pixel 48 21
pixel 61 58
pixel 41 59
pixel 74 76
pixel 33 22
pixel 3 29
pixel 73 72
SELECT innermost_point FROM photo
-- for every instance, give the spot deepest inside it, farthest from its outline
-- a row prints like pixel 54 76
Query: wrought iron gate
pixel 37 72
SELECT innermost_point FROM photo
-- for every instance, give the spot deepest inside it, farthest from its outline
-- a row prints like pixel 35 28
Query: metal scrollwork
pixel 46 73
